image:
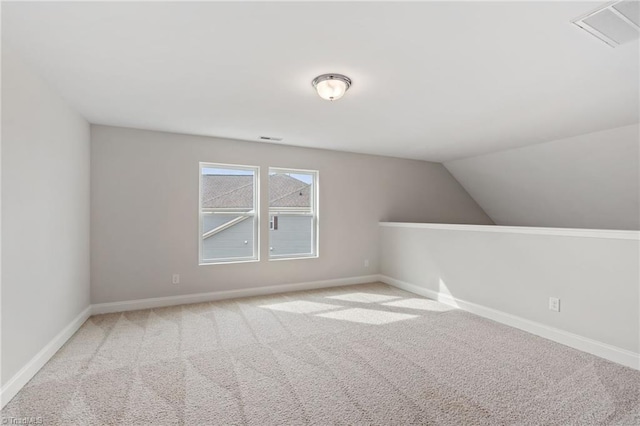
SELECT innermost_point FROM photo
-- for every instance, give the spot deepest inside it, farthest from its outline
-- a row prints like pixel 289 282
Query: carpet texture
pixel 366 354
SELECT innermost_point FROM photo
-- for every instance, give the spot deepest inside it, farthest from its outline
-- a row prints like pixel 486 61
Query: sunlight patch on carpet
pixel 363 297
pixel 367 316
pixel 300 307
pixel 421 304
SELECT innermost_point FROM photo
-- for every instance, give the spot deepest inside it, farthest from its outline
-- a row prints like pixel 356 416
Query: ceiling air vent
pixel 269 138
pixel 614 23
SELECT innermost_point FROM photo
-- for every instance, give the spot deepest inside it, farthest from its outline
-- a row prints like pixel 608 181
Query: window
pixel 293 213
pixel 273 223
pixel 228 213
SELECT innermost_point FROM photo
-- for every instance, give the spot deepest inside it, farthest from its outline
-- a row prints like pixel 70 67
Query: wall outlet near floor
pixel 175 279
pixel 554 304
pixel 366 263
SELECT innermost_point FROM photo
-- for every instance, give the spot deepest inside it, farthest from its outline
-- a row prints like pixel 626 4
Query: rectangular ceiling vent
pixel 270 138
pixel 614 23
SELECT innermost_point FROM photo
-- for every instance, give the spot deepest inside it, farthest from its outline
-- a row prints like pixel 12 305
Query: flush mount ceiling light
pixel 331 86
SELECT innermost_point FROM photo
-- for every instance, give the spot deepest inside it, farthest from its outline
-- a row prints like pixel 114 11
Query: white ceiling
pixel 434 81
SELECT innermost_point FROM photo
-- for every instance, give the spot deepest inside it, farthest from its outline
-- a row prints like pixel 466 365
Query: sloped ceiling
pixel 588 181
pixel 431 80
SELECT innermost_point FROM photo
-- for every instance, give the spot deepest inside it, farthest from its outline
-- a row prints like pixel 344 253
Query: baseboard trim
pixel 603 350
pixel 158 302
pixel 34 365
pixel 594 347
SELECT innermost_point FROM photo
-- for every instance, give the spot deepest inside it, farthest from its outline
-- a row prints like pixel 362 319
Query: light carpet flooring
pixel 366 354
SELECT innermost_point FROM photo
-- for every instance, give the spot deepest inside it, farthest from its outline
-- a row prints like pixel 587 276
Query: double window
pixel 230 206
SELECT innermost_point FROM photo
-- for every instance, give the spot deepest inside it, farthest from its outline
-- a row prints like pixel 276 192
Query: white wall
pixel 45 214
pixel 588 181
pixel 144 198
pixel 515 272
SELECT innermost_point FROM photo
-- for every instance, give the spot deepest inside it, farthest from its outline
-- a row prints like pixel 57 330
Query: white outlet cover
pixel 554 304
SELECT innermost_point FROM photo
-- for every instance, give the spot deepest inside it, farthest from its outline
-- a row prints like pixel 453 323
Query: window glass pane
pixel 294 236
pixel 234 241
pixel 228 219
pixel 227 189
pixel 290 190
pixel 212 221
pixel 292 213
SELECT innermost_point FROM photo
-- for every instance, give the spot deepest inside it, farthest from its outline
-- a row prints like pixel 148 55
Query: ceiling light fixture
pixel 331 86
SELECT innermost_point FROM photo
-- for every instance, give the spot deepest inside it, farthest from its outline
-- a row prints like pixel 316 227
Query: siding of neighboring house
pixel 212 221
pixel 293 235
pixel 235 241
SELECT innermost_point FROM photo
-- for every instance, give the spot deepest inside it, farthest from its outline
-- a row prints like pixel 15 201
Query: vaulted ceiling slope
pixel 431 80
pixel 588 181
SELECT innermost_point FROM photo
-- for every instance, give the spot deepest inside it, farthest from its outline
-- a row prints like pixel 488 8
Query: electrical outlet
pixel 175 279
pixel 554 304
pixel 366 263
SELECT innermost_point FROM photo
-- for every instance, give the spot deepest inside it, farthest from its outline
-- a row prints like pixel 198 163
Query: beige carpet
pixel 368 354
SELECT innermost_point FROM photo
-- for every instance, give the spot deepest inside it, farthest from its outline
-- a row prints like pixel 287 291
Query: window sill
pixel 227 262
pixel 276 259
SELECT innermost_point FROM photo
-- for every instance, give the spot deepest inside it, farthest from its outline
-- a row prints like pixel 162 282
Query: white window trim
pixel 253 213
pixel 315 212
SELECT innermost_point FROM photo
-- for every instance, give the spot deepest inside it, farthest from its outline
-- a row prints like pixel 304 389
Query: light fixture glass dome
pixel 331 86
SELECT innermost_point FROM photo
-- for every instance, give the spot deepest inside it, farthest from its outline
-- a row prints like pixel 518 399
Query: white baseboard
pixel 600 349
pixel 594 347
pixel 27 372
pixel 158 302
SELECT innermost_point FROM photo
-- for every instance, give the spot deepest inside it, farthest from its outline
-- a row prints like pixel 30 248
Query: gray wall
pixel 588 181
pixel 144 199
pixel 45 214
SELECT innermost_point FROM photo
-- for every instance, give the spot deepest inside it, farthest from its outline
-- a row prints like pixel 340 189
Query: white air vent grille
pixel 614 23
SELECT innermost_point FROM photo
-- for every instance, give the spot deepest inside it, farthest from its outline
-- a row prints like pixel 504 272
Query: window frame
pixel 315 214
pixel 254 213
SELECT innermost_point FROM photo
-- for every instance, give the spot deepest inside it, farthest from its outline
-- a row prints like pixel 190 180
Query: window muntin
pixel 293 213
pixel 228 213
